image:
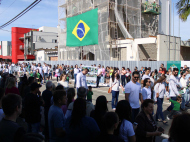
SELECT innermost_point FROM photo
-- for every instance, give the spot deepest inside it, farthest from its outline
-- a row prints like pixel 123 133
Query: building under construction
pixel 118 20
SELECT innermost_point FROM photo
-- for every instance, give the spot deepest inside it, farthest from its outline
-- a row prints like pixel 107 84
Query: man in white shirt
pixel 133 94
pixel 81 79
pixel 40 70
pixel 45 68
pixel 146 75
pixel 10 68
pixel 98 75
pixel 173 91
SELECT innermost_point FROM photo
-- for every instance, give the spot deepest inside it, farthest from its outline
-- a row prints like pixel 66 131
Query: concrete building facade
pixel 127 20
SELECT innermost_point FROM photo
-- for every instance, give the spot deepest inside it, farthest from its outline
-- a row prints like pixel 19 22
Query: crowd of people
pixel 72 117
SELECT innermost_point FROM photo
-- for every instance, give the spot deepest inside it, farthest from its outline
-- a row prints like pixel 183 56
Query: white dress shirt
pixel 76 71
pixel 160 89
pixel 173 91
pixel 81 80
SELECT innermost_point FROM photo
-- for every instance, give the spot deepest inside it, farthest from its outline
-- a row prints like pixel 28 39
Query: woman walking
pixel 160 90
pixel 185 96
pixel 57 72
pixel 123 72
pixel 115 83
pixel 146 91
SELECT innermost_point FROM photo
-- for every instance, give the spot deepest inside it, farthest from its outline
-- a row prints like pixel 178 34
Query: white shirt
pixel 146 93
pixel 116 86
pixel 145 76
pixel 173 92
pixel 10 67
pixel 152 82
pixel 134 90
pixel 34 68
pixel 5 70
pixel 183 83
pixel 81 80
pixel 57 72
pixel 45 69
pixel 160 89
pixel 76 71
pixel 126 130
pixel 99 71
pixel 65 84
pixel 40 70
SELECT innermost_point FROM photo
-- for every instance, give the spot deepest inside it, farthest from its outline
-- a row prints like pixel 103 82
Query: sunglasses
pixel 136 77
pixel 184 75
pixel 149 81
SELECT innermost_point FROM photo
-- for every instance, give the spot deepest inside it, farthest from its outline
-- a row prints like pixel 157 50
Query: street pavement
pixel 103 91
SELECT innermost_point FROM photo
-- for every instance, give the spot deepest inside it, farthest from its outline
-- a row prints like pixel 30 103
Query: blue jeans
pixel 123 80
pixel 135 112
pixel 159 109
pixel 170 108
pixel 10 72
pixel 75 76
pixel 33 127
pixel 115 95
pixel 102 79
pixel 185 100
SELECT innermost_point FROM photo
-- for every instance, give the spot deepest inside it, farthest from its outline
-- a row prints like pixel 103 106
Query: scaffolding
pixel 117 20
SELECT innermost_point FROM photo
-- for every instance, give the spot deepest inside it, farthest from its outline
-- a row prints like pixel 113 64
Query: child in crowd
pixel 89 94
pixel 38 76
pixel 67 78
pixel 176 108
pixel 31 74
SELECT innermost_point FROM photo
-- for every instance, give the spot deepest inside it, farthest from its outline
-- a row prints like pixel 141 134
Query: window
pixel 54 40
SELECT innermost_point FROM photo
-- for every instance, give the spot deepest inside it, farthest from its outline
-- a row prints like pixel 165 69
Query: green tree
pixel 183 7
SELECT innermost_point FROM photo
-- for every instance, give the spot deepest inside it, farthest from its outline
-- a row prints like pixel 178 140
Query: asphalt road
pixel 103 91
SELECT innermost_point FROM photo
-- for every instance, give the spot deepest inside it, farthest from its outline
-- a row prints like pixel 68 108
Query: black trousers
pixel 98 80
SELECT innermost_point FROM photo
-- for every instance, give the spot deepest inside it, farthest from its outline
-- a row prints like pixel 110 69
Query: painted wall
pixel 40 55
pixel 163 48
pixel 44 39
pixel 16 33
pixel 48 29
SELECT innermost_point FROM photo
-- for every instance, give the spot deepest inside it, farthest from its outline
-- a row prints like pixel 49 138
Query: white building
pixel 42 43
pixel 5 50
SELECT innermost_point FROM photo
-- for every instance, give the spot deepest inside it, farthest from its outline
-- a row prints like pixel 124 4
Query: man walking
pixel 173 91
pixel 133 94
pixel 81 79
pixel 99 75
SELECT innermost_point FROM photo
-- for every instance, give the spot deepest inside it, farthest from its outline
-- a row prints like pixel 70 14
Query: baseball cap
pixel 35 85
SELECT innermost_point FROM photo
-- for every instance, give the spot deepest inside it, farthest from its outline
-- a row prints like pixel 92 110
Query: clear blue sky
pixel 46 14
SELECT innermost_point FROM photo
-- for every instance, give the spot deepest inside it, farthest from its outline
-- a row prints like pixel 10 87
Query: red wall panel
pixel 18 32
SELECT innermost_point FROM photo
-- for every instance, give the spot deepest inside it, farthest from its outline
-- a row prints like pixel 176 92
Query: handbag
pixel 110 89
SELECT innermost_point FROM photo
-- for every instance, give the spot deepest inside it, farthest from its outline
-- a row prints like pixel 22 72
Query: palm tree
pixel 183 7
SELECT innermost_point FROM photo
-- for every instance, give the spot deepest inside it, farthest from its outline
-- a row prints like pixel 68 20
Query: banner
pixel 91 77
pixel 174 64
pixel 83 29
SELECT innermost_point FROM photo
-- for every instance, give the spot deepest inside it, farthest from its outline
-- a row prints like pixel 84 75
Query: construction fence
pixel 119 64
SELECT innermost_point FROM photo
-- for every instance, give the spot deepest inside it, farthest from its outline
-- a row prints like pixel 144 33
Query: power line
pixel 7 7
pixel 21 14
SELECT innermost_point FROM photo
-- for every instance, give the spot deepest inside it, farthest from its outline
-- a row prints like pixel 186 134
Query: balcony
pixel 21 47
pixel 151 8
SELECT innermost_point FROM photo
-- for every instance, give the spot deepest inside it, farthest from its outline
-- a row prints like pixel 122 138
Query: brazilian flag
pixel 83 29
